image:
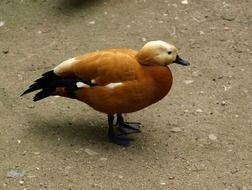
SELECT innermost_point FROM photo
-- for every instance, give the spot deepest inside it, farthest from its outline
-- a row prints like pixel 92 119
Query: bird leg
pixel 124 141
pixel 127 127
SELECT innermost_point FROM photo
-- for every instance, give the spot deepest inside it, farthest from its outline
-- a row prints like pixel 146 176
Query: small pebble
pixel 21 182
pixel 24 152
pixel 195 73
pixel 199 110
pixel 15 174
pixel 226 5
pixel 174 31
pixel 68 167
pixel 227 28
pixel 95 185
pixel 45 30
pixel 201 32
pixel 90 152
pixel 103 159
pixel 36 153
pixel 120 176
pixel 212 137
pixel 197 20
pixel 30 106
pixel 20 77
pixel 2 23
pixel 226 88
pixel 188 81
pixel 31 176
pixel 228 18
pixel 184 2
pixel 175 5
pixel 91 22
pixel 176 130
pixel 18 141
pixel 234 171
pixel 223 103
pixel 162 182
pixel 143 39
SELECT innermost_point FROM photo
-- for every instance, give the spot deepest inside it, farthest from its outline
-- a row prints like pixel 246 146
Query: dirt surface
pixel 197 137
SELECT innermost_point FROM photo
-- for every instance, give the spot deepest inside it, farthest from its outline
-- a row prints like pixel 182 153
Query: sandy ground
pixel 198 137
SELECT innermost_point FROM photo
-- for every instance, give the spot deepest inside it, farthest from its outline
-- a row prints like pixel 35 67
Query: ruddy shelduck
pixel 113 81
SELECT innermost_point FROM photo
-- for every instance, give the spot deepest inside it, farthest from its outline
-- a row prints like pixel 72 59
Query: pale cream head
pixel 157 53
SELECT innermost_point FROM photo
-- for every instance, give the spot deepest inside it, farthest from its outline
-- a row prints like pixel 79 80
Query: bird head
pixel 159 53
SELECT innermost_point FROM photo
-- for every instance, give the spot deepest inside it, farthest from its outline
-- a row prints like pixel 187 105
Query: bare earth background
pixel 198 137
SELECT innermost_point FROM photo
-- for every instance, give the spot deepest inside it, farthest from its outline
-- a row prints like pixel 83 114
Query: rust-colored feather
pixel 140 85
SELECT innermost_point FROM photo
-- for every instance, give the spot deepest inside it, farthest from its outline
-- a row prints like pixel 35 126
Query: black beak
pixel 181 61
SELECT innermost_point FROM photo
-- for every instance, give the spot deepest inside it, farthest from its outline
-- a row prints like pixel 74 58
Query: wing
pixel 104 67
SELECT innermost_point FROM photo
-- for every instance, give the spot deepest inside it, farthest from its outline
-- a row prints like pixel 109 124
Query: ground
pixel 198 137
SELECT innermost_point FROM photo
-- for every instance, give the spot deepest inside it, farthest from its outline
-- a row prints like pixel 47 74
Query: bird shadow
pixel 55 132
pixel 70 5
pixel 81 132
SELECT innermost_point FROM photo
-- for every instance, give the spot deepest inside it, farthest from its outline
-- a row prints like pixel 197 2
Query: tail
pixel 48 84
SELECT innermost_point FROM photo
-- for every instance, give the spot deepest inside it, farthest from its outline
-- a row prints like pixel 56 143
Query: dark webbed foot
pixel 127 127
pixel 124 128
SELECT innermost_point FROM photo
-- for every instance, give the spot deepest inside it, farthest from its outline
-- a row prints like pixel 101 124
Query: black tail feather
pixel 42 82
pixel 42 94
pixel 48 83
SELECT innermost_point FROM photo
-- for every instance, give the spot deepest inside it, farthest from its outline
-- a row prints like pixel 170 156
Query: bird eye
pixel 169 52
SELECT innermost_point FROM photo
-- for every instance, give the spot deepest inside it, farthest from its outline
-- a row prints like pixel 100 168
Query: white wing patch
pixel 110 85
pixel 65 65
pixel 113 85
pixel 81 85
